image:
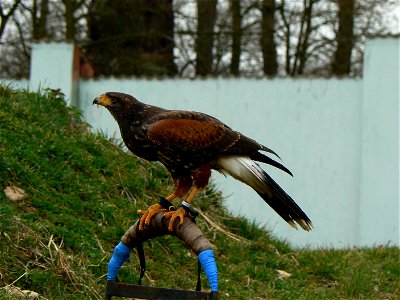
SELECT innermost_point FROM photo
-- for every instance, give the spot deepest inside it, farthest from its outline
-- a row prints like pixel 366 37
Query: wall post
pixel 52 66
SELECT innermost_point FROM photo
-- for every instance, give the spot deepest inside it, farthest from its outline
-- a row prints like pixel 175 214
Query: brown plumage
pixel 190 145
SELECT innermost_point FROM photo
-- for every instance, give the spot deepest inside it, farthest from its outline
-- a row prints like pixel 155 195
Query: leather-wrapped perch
pixel 189 233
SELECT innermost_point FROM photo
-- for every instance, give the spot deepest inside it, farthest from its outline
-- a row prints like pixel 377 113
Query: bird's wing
pixel 190 131
pixel 203 136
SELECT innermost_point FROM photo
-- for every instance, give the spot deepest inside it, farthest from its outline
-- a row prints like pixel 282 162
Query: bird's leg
pixel 192 194
pixel 180 212
pixel 154 209
pixel 172 196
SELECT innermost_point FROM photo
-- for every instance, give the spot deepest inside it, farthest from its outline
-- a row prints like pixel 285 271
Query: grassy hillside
pixel 81 193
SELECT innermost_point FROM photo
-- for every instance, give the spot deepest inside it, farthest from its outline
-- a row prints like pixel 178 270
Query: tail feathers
pixel 266 149
pixel 249 172
pixel 265 159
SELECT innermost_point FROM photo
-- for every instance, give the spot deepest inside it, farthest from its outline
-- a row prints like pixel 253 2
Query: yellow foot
pixel 173 215
pixel 146 215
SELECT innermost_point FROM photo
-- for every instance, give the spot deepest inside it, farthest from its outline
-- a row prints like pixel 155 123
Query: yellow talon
pixel 173 215
pixel 146 215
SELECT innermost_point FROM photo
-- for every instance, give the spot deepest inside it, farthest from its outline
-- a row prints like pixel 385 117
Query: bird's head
pixel 117 103
pixel 115 100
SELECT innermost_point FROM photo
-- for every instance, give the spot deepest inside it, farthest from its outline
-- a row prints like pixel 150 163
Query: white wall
pixel 340 138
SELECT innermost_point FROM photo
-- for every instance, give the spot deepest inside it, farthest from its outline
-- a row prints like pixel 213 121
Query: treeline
pixel 198 37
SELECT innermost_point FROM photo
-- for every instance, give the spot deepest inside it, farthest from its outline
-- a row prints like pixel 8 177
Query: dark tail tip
pixel 265 159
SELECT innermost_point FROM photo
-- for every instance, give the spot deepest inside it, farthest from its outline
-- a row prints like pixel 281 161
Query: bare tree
pixel 267 41
pixel 240 37
pixel 5 16
pixel 304 35
pixel 344 38
pixel 40 12
pixel 70 9
pixel 138 42
pixel 158 40
pixel 303 38
pixel 236 36
pixel 286 32
pixel 206 17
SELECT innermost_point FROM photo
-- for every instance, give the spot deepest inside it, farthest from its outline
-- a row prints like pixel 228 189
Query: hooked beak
pixel 103 100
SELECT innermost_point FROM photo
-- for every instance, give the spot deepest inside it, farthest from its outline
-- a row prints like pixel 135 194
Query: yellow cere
pixel 105 100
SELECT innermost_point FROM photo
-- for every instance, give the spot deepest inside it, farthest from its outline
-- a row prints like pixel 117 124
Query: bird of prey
pixel 191 144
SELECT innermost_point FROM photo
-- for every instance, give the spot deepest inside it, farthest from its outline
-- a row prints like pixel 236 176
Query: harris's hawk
pixel 191 144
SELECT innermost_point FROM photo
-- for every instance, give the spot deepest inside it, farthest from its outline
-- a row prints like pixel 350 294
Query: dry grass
pixel 47 255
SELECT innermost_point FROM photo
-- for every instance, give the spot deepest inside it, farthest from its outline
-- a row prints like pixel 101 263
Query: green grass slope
pixel 81 193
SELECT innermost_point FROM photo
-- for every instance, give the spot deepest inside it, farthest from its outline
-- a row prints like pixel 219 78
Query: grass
pixel 82 194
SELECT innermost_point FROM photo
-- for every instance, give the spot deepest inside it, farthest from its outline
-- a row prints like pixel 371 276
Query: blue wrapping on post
pixel 207 260
pixel 120 255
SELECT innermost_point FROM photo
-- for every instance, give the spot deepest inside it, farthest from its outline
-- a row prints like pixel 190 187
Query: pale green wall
pixel 379 179
pixel 314 125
